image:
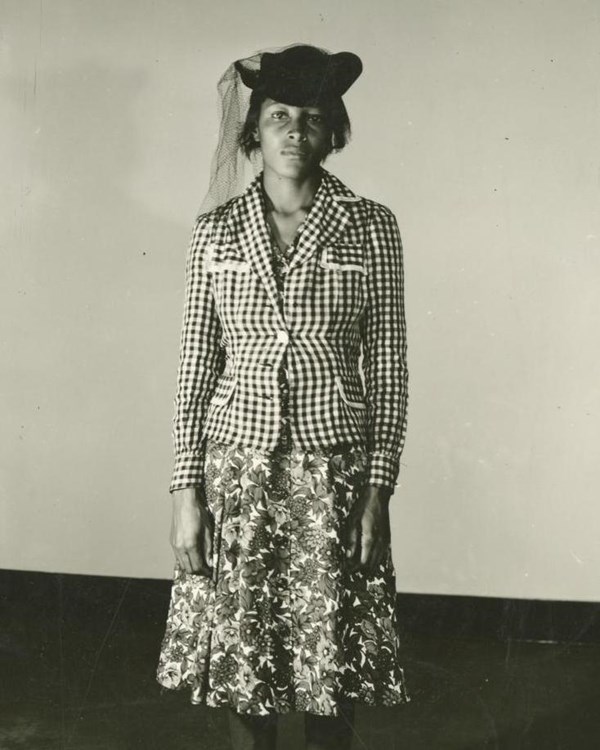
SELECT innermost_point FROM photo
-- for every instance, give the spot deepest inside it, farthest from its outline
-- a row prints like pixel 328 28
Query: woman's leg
pixel 252 732
pixel 330 732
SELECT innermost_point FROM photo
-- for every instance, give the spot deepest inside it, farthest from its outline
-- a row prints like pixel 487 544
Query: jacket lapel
pixel 325 220
pixel 249 231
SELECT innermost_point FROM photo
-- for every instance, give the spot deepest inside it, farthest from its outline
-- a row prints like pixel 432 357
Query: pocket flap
pixel 343 257
pixel 351 396
pixel 228 265
pixel 223 391
pixel 224 257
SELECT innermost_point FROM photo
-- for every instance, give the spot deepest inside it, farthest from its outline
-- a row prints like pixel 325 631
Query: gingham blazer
pixel 341 324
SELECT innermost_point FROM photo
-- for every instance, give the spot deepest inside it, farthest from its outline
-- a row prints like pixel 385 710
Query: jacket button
pixel 283 336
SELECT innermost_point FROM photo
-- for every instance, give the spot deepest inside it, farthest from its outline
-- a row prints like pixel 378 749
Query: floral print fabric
pixel 282 626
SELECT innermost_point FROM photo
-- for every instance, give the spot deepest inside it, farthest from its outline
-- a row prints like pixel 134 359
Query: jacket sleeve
pixel 384 350
pixel 200 361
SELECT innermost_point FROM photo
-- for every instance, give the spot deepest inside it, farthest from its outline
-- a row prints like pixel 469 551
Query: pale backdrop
pixel 477 122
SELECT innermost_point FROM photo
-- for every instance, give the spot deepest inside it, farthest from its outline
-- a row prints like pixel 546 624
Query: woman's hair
pixel 335 113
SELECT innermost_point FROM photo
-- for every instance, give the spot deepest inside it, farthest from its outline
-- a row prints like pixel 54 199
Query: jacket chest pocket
pixel 231 281
pixel 345 277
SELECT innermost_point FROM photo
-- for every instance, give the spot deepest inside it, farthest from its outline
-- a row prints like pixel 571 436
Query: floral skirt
pixel 282 625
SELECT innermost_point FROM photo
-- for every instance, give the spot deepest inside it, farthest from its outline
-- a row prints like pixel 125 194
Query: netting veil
pixel 230 169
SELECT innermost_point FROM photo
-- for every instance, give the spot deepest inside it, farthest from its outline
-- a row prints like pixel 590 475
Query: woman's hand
pixel 368 529
pixel 192 531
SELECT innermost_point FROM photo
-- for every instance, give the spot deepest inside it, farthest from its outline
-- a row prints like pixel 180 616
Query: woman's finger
pixel 185 562
pixel 376 557
pixel 206 544
pixel 373 551
pixel 353 546
pixel 196 563
pixel 366 540
pixel 179 559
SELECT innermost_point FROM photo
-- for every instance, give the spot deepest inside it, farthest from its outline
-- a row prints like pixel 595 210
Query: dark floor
pixel 77 658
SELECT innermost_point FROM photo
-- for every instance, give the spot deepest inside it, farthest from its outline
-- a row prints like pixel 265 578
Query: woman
pixel 286 452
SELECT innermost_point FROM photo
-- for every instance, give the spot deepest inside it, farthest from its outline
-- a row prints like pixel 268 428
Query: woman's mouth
pixel 295 153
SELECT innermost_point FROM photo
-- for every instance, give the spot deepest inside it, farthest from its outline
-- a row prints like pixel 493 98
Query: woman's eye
pixel 278 115
pixel 316 118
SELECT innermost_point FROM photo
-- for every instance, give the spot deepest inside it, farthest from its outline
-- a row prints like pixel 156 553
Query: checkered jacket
pixel 341 325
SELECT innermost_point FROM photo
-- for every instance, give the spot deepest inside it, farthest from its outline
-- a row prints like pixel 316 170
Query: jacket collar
pixel 247 228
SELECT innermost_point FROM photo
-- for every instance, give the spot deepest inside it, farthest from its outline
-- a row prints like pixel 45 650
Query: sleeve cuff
pixel 188 471
pixel 383 470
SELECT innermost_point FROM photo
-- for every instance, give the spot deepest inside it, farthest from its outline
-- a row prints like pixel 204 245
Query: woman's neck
pixel 289 196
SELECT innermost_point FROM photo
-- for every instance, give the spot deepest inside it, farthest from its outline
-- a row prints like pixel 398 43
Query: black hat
pixel 303 75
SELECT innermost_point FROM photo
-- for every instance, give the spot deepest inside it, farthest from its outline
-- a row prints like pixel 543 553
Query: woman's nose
pixel 297 130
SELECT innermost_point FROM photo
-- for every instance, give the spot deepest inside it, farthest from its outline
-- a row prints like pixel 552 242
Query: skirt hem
pixel 400 700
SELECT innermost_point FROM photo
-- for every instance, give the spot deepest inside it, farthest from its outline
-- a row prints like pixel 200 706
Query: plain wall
pixel 476 121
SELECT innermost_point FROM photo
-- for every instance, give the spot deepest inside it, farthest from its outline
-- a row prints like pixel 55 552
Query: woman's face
pixel 293 140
